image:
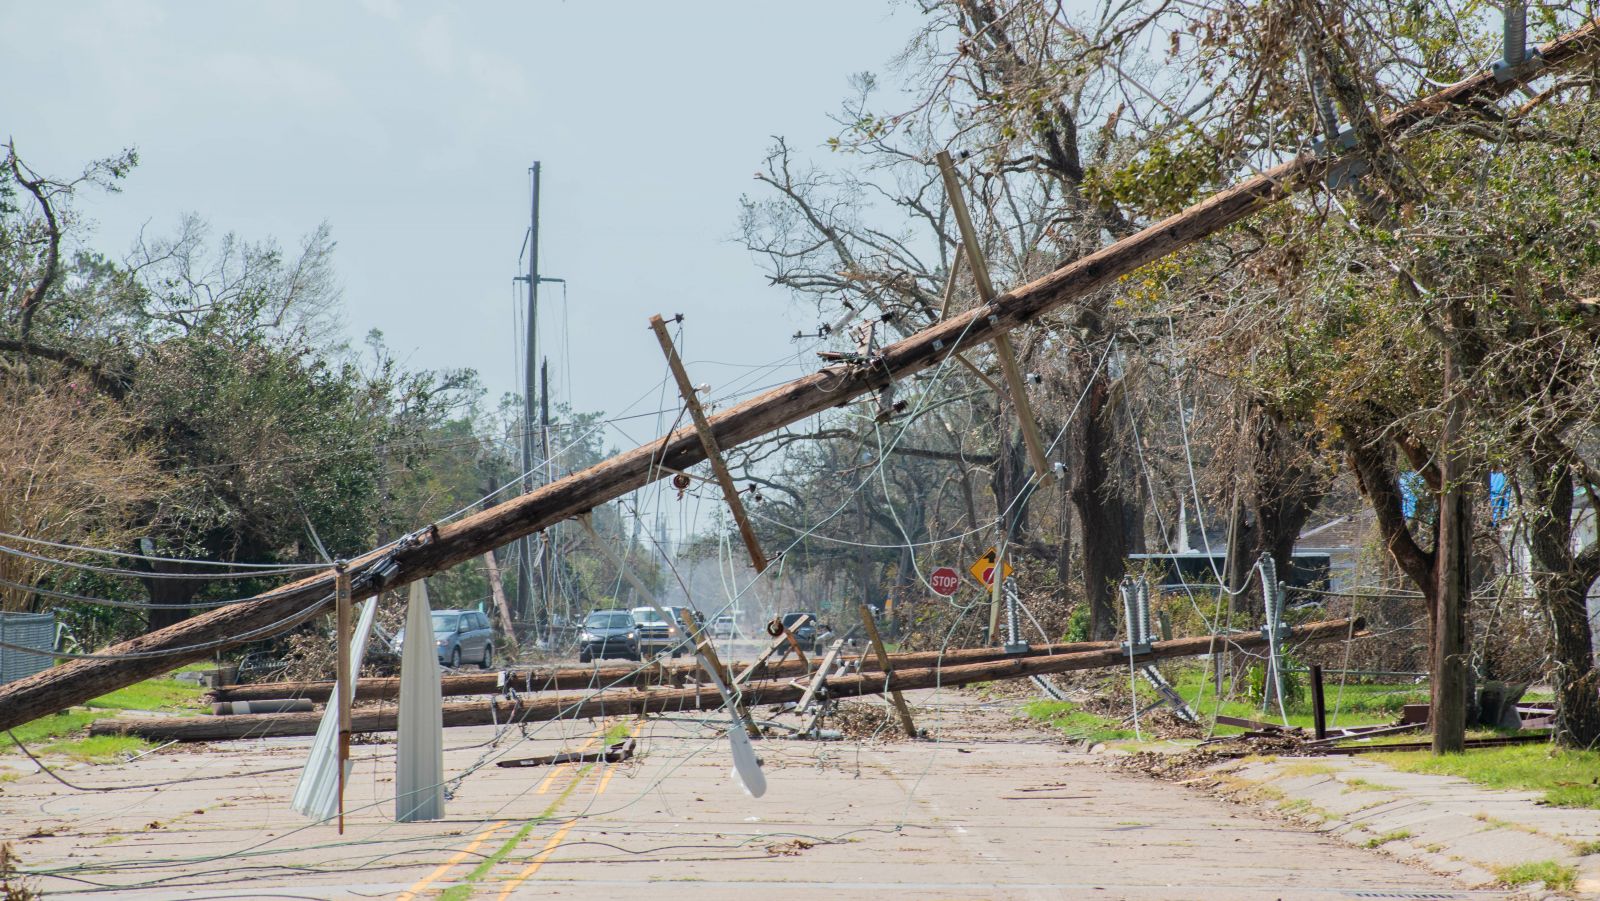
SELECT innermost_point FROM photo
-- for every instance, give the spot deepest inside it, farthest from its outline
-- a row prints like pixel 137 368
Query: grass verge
pixel 1068 718
pixel 1566 777
pixel 60 733
pixel 1555 876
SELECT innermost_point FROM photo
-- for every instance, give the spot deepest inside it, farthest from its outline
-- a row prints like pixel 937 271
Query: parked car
pixel 804 632
pixel 658 636
pixel 459 635
pixel 724 627
pixel 608 633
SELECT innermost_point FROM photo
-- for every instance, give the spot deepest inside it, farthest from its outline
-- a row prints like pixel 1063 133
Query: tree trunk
pixel 1100 510
pixel 1561 582
pixel 168 591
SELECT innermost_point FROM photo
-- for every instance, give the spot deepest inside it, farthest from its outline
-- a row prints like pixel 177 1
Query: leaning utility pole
pixel 439 546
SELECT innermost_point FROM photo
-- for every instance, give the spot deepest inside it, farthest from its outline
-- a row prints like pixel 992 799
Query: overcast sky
pixel 410 127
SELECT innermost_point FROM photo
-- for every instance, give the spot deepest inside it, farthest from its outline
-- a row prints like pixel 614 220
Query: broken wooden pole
pixel 778 642
pixel 708 440
pixel 573 678
pixel 497 590
pixel 436 548
pixel 1002 344
pixel 634 701
pixel 871 625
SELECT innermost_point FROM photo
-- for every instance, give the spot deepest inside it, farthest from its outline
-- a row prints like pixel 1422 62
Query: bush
pixel 1294 689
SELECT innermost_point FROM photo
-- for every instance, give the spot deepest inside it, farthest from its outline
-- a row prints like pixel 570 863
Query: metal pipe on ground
pixel 635 701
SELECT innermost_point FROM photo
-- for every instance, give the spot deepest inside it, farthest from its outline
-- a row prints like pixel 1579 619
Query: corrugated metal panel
pixel 30 630
pixel 317 793
pixel 419 744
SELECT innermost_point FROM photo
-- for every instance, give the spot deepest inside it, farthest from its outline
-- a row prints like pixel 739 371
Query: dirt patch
pixel 1196 760
pixel 867 721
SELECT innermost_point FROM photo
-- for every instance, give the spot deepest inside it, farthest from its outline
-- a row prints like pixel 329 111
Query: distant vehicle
pixel 724 627
pixel 805 633
pixel 658 636
pixel 608 633
pixel 459 635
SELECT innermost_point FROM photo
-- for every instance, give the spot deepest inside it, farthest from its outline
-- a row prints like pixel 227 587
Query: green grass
pixel 1362 785
pixel 1567 778
pixel 1354 704
pixel 1555 876
pixel 618 732
pixel 1065 717
pixel 1387 837
pixel 152 694
pixel 95 749
pixel 1358 705
pixel 54 734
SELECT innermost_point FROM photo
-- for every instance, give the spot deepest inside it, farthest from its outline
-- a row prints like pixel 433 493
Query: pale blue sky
pixel 410 127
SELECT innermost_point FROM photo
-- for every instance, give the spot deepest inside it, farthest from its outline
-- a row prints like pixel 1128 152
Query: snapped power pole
pixel 1002 344
pixel 708 439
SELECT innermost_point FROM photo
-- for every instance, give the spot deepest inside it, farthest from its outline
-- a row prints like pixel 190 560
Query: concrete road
pixel 989 810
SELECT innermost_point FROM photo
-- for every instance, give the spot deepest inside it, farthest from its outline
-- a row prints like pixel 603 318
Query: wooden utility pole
pixel 436 548
pixel 702 427
pixel 871 625
pixel 1002 344
pixel 344 677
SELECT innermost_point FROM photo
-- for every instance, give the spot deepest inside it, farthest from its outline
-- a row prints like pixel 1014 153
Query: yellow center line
pixel 447 865
pixel 561 834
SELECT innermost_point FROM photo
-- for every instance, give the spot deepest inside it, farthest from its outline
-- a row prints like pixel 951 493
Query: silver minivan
pixel 460 636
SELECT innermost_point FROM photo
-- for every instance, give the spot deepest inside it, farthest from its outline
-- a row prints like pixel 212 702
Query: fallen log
pixel 670 700
pixel 664 672
pixel 436 548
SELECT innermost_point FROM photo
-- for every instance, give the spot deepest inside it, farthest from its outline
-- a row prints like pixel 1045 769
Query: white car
pixel 723 626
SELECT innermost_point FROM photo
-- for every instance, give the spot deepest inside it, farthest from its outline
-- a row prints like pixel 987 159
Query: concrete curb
pixel 1441 823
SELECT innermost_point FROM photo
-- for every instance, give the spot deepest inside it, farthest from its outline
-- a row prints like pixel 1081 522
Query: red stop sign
pixel 945 580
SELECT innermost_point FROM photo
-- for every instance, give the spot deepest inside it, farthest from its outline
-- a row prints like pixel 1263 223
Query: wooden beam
pixel 706 651
pixel 438 548
pixel 821 677
pixel 899 700
pixel 760 663
pixel 1002 344
pixel 491 570
pixel 708 440
pixel 623 703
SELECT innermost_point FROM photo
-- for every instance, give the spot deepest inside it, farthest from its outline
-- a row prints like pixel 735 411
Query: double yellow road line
pixel 550 846
pixel 561 834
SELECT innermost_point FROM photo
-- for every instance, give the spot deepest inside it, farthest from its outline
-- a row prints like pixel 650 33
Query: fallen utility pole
pixel 669 700
pixel 632 675
pixel 436 548
pixel 708 442
pixel 1009 367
